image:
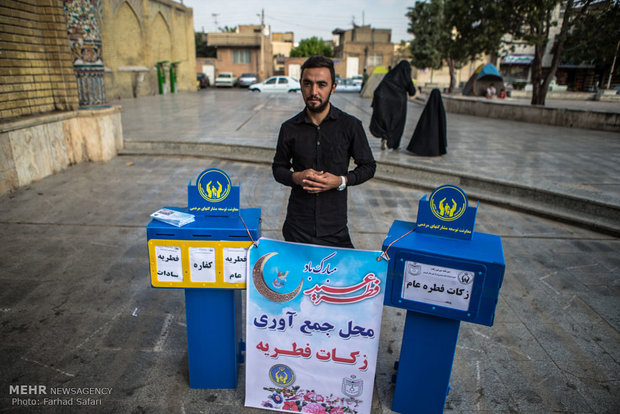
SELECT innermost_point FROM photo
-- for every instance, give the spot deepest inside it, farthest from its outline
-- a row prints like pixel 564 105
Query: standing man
pixel 312 156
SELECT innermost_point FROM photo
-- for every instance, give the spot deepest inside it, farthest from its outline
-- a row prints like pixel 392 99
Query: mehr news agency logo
pixel 213 185
pixel 42 395
pixel 448 203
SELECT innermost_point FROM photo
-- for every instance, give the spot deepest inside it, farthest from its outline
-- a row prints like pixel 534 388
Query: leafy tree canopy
pixel 428 28
pixel 202 50
pixel 595 37
pixel 312 46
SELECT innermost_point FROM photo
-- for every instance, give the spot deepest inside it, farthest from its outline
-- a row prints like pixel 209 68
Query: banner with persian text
pixel 313 322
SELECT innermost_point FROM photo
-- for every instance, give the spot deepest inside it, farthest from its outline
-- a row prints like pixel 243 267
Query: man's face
pixel 316 87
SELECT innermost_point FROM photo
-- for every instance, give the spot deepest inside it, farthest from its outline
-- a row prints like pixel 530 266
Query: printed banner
pixel 313 322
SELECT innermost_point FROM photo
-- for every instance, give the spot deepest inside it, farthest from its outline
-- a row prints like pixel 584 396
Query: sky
pixel 306 18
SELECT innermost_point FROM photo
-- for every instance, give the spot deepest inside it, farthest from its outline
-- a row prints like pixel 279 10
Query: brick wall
pixel 36 71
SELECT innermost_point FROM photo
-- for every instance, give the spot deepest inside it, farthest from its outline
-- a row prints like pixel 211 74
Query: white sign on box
pixel 436 285
pixel 202 264
pixel 169 266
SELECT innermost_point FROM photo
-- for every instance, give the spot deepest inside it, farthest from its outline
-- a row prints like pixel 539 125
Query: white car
pixel 225 79
pixel 277 84
pixel 357 79
pixel 347 85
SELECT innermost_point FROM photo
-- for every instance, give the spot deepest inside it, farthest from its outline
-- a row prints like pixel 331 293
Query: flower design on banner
pixel 308 401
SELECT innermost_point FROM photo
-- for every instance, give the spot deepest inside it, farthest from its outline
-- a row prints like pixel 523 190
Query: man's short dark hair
pixel 319 62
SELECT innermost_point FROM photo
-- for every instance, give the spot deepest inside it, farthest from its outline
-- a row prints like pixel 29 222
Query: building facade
pixel 361 47
pixel 136 35
pixel 36 73
pixel 282 44
pixel 50 66
pixel 248 49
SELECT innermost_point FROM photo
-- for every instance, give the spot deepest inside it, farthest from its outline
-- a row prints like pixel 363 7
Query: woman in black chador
pixel 429 138
pixel 390 105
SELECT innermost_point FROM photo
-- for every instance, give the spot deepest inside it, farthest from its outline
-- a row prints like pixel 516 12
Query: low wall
pixel 38 146
pixel 574 118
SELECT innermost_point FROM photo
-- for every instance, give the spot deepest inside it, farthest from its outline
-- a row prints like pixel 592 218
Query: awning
pixel 517 59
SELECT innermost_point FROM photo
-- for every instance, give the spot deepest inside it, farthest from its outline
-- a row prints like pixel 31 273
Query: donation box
pixel 208 258
pixel 442 273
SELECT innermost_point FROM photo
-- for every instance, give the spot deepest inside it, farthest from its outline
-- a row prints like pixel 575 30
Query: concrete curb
pixel 564 117
pixel 594 215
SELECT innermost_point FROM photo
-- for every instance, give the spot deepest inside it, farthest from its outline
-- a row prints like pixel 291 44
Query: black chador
pixel 389 105
pixel 429 138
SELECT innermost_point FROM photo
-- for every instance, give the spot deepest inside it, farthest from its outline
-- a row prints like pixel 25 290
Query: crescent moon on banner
pixel 266 291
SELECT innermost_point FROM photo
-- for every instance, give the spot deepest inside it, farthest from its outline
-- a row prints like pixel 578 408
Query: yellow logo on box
pixel 213 185
pixel 448 203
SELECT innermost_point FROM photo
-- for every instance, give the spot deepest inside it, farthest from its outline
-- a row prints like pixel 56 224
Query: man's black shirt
pixel 327 147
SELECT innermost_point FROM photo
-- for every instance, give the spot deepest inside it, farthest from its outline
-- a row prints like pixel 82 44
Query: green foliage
pixel 595 37
pixel 428 27
pixel 456 31
pixel 482 25
pixel 436 38
pixel 534 20
pixel 202 50
pixel 227 29
pixel 436 27
pixel 311 47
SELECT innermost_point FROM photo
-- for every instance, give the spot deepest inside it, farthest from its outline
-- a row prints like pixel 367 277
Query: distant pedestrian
pixel 429 138
pixel 389 105
pixel 364 80
pixel 491 91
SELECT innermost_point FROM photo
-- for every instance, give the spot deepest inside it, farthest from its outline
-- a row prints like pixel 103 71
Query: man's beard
pixel 318 108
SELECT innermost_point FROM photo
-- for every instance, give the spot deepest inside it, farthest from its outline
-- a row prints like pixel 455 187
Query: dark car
pixel 247 79
pixel 202 81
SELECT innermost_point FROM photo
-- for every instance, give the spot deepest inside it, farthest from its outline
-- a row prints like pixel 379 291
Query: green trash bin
pixel 161 76
pixel 173 76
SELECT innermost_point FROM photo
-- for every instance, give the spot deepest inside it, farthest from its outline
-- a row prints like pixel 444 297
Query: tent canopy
pixel 482 77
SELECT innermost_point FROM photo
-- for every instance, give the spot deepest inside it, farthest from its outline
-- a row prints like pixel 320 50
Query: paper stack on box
pixel 175 218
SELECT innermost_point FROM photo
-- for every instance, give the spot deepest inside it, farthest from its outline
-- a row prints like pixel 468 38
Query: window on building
pixel 374 59
pixel 242 56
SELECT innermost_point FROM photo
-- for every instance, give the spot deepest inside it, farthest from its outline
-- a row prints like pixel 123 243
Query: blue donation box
pixel 208 258
pixel 442 273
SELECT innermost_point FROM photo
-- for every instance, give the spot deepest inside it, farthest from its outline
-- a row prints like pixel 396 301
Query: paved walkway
pixel 77 309
pixel 567 165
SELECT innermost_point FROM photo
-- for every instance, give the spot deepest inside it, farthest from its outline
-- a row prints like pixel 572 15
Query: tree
pixel 227 29
pixel 311 47
pixel 435 38
pixel 483 26
pixel 595 39
pixel 536 20
pixel 202 49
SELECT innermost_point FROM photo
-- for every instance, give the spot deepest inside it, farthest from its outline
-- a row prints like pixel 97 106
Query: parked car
pixel 202 81
pixel 347 85
pixel 357 79
pixel 277 84
pixel 247 79
pixel 225 79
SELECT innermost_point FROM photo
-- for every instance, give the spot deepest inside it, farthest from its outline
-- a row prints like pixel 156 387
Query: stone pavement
pixel 569 174
pixel 77 309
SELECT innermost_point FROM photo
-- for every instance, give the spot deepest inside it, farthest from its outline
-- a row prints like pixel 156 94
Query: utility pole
pixel 262 44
